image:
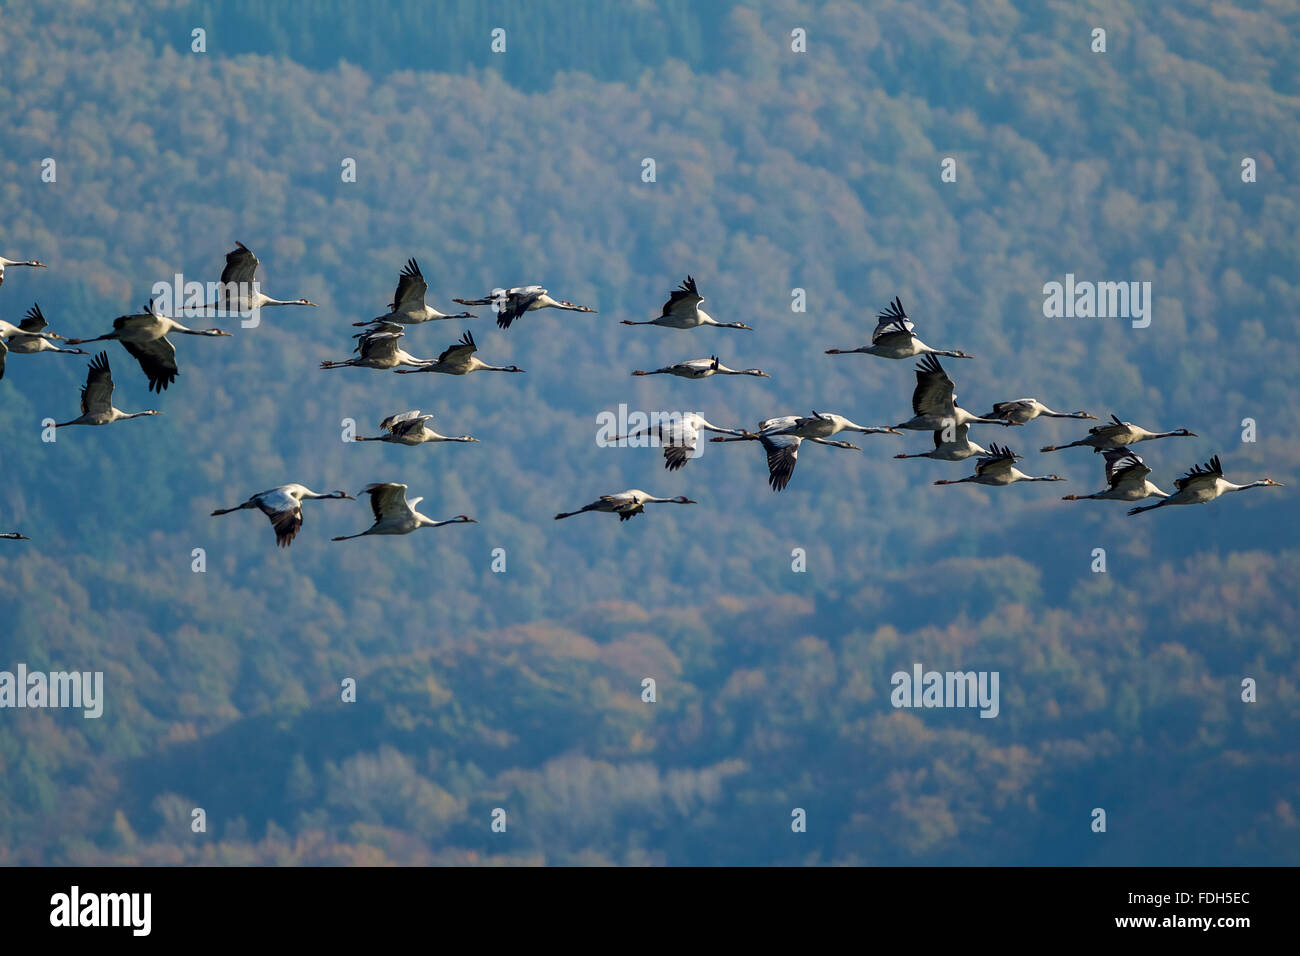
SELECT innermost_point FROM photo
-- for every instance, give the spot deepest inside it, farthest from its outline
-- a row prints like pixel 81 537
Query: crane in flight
pixel 408 306
pixel 1126 479
pixel 144 336
pixel 511 304
pixel 626 504
pixel 1201 485
pixel 1118 434
pixel 459 359
pixel 239 291
pixel 1024 410
pixel 283 506
pixel 895 338
pixel 97 398
pixel 998 468
pixel 934 401
pixel 682 311
pixel 409 428
pixel 702 368
pixel 394 514
pixel 679 436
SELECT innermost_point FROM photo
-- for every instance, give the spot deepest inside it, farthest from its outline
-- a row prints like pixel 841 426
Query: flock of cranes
pixel 145 337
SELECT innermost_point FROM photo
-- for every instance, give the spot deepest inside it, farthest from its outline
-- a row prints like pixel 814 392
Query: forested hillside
pixel 775 171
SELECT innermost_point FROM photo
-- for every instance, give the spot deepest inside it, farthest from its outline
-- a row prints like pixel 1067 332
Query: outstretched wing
pixel 516 303
pixel 157 359
pixel 459 354
pixel 893 327
pixel 34 320
pixel 935 393
pixel 376 329
pixel 1124 466
pixel 782 456
pixel 241 265
pixel 393 422
pixel 411 288
pixel 97 393
pixel 1209 472
pixel 379 345
pixel 679 441
pixel 683 299
pixel 1110 429
pixel 285 512
pixel 387 499
pixel 1000 458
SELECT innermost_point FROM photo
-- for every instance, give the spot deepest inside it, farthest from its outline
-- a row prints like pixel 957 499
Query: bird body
pixel 702 368
pixel 283 506
pixel 511 304
pixel 459 359
pixel 409 428
pixel 14 536
pixel 1024 410
pixel 1117 434
pixel 1126 479
pixel 97 397
pixel 958 449
pixel 626 504
pixel 408 306
pixel 682 311
pixel 895 338
pixel 934 401
pixel 394 514
pixel 1202 484
pixel 998 468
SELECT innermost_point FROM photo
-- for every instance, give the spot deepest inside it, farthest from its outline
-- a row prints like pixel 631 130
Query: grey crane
pixel 626 504
pixel 409 428
pixel 459 359
pixel 144 336
pixel 97 398
pixel 682 311
pixel 408 306
pixel 895 338
pixel 1126 479
pixel 998 468
pixel 511 304
pixel 1118 434
pixel 1202 484
pixel 283 506
pixel 394 514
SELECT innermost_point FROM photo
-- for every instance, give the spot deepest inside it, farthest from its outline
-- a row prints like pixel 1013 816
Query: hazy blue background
pixel 775 170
